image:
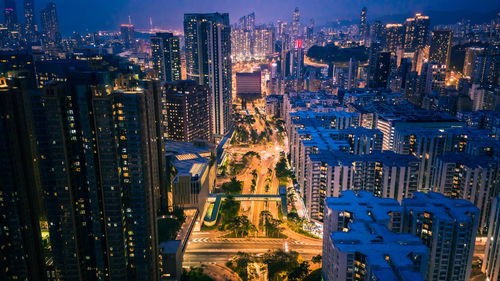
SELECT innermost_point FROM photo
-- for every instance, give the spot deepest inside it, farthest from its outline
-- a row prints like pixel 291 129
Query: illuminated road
pixel 203 247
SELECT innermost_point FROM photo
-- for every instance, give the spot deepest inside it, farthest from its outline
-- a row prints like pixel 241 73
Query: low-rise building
pixel 192 173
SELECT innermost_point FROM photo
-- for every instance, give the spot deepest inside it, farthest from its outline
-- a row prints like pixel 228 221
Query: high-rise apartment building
pixel 264 41
pixel 10 13
pixel 394 36
pixel 464 176
pixel 486 69
pixel 187 112
pixel 448 227
pixel 208 62
pixel 386 175
pixel 247 22
pixel 50 24
pixel 166 56
pixel 440 48
pixel 417 32
pixel 352 74
pixel 491 263
pixel 20 241
pixel 100 179
pixel 470 56
pixel 362 241
pixel 127 35
pixel 292 63
pixel 29 17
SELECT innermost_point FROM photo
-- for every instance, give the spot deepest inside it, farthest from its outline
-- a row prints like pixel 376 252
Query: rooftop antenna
pixel 150 24
pixel 129 20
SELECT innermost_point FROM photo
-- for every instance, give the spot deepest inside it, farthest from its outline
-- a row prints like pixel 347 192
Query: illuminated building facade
pixel 166 56
pixel 448 227
pixel 208 62
pixel 187 112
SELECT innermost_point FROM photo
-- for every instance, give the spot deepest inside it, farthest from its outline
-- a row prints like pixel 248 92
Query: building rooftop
pixel 189 158
pixel 390 255
pixel 339 158
pixel 446 209
pixel 468 160
pixel 364 206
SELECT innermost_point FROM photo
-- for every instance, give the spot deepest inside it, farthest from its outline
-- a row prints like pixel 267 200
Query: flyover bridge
pixel 215 201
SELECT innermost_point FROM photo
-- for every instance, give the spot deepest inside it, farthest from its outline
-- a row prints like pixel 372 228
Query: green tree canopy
pixel 233 187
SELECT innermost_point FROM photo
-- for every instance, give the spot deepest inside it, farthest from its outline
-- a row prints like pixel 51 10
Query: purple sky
pixel 108 14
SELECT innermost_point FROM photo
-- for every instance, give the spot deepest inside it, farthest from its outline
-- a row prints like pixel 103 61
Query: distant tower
pixel 128 34
pixel 364 30
pixel 10 13
pixel 417 32
pixel 29 17
pixel 441 47
pixel 296 23
pixel 50 25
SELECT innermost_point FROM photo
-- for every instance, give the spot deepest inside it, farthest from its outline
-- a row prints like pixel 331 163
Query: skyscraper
pixel 29 17
pixel 127 34
pixel 20 244
pixel 441 47
pixel 247 22
pixel 394 36
pixel 208 62
pixel 470 57
pixel 10 13
pixel 417 32
pixel 99 179
pixel 50 25
pixel 292 63
pixel 166 56
pixel 464 176
pixel 187 107
pixel 364 28
pixel 379 67
pixel 296 24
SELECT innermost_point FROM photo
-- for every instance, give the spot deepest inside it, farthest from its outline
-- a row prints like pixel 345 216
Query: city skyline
pixel 110 14
pixel 253 143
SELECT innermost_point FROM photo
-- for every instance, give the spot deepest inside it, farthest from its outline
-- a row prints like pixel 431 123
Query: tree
pixel 254 173
pixel 229 209
pixel 233 187
pixel 280 263
pixel 271 226
pixel 281 169
pixel 254 136
pixel 299 272
pixel 317 259
pixel 314 276
pixel 223 169
pixel 241 226
pixel 240 263
pixel 195 274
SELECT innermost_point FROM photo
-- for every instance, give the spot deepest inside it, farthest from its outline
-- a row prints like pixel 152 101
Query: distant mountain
pixel 446 17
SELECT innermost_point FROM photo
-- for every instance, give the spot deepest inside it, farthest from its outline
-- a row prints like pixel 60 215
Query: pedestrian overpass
pixel 215 201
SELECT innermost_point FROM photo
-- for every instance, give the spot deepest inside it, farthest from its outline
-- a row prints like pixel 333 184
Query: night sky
pixel 108 14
